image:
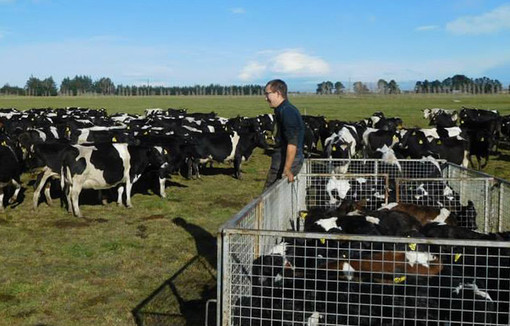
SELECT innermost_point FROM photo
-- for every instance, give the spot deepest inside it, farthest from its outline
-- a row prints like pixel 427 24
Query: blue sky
pixel 243 42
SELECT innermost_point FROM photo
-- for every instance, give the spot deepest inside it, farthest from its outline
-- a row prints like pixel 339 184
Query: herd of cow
pixel 89 149
pixel 477 134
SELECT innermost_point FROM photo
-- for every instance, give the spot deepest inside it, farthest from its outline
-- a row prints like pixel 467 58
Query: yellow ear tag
pixel 420 142
pixel 323 241
pixel 414 133
pixel 146 133
pixel 165 151
pixel 303 214
pixel 482 139
pixel 399 279
pixel 457 257
pixel 114 140
pixel 334 148
pixel 412 246
pixel 4 143
pixel 439 142
pixel 461 121
pixel 395 138
pixel 128 127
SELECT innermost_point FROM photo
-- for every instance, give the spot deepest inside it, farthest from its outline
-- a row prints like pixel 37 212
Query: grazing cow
pixel 10 173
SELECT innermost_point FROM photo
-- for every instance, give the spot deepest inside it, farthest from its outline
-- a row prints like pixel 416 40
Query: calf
pixel 385 266
pixel 424 214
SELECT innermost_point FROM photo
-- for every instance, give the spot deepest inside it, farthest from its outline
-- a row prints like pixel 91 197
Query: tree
pixel 104 86
pixel 12 90
pixel 339 87
pixel 360 88
pixel 382 86
pixel 37 87
pixel 393 87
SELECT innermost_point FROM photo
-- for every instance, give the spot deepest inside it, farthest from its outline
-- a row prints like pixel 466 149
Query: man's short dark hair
pixel 278 85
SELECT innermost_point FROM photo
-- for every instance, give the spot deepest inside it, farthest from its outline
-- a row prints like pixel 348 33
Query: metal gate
pixel 326 279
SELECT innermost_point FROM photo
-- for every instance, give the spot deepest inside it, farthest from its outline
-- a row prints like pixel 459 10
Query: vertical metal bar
pixel 225 320
pixel 219 276
pixel 258 223
pixel 487 206
pixel 500 210
pixel 397 189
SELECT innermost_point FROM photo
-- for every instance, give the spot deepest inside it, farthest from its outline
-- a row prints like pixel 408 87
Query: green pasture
pixel 59 270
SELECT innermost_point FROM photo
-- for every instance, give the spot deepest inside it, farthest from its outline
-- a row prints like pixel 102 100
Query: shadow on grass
pixel 182 299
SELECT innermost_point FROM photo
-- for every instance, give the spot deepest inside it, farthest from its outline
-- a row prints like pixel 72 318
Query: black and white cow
pixel 227 147
pixel 101 166
pixel 48 158
pixel 441 117
pixel 10 173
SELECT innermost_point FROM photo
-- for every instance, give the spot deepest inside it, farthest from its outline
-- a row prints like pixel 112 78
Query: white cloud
pixel 487 23
pixel 252 71
pixel 238 11
pixel 427 28
pixel 288 63
pixel 297 63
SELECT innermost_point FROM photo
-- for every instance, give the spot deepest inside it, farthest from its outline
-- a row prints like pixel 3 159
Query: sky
pixel 181 43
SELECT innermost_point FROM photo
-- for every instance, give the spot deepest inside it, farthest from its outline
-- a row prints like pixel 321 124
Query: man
pixel 290 133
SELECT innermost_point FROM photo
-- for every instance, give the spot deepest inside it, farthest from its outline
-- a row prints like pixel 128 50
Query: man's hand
pixel 288 174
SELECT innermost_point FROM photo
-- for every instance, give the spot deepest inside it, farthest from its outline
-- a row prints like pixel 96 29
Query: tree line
pixel 84 85
pixel 460 84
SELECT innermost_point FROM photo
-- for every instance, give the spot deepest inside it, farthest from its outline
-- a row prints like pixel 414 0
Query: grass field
pixel 56 269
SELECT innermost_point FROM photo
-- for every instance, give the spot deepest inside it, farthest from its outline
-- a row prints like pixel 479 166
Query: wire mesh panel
pixel 401 169
pixel 467 198
pixel 271 274
pixel 330 190
pixel 353 280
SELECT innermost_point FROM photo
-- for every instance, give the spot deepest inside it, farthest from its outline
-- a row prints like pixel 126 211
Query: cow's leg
pixel 128 194
pixel 162 182
pixel 47 193
pixel 189 163
pixel 196 170
pixel 1 199
pixel 471 161
pixel 237 168
pixel 120 192
pixel 17 185
pixel 486 161
pixel 40 183
pixel 75 191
